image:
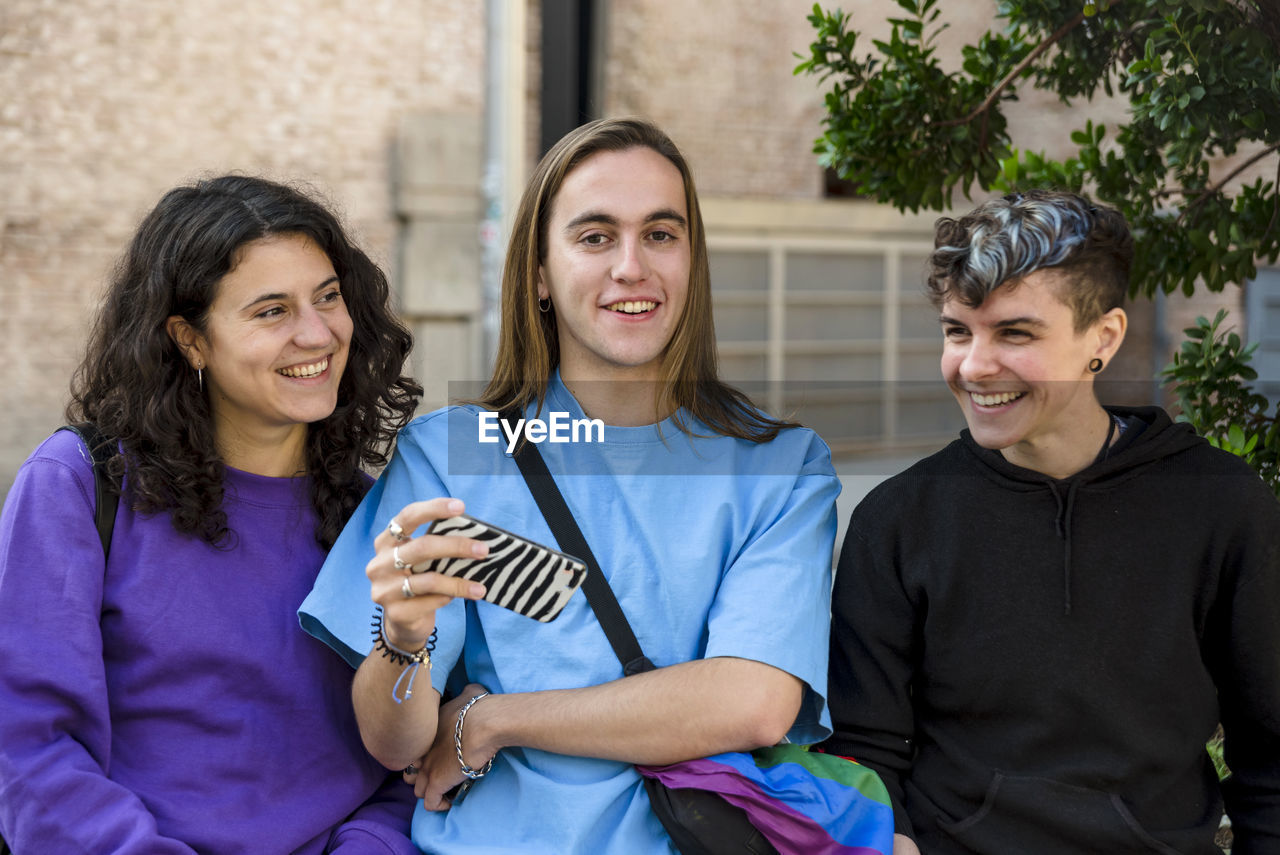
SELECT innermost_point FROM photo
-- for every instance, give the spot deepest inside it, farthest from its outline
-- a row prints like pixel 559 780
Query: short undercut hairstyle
pixel 1006 239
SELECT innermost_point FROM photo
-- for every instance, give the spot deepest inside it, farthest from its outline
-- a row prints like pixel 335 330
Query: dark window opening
pixel 568 94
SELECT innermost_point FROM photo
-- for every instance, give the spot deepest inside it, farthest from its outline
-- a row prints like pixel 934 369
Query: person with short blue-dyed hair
pixel 713 523
pixel 1037 629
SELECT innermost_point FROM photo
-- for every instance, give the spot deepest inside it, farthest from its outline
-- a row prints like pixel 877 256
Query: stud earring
pixel 1095 365
pixel 544 305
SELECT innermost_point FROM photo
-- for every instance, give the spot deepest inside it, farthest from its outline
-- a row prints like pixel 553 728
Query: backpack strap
pixel 106 494
pixel 567 533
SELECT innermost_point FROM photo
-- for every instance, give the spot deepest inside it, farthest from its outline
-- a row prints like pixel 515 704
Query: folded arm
pixel 684 711
pixel 664 716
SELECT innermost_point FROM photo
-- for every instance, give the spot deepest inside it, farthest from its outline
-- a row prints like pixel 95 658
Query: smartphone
pixel 518 574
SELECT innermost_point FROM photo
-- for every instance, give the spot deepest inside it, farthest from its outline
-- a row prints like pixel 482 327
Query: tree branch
pixel 1017 70
pixel 1275 207
pixel 1217 188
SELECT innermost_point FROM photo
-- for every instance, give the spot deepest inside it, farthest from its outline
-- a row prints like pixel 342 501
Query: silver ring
pixel 396 531
pixel 406 589
pixel 411 769
pixel 400 565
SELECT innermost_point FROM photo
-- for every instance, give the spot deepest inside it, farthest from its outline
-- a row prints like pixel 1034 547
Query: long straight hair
pixel 528 342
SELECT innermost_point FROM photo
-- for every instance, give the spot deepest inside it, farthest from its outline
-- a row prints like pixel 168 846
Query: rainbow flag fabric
pixel 804 802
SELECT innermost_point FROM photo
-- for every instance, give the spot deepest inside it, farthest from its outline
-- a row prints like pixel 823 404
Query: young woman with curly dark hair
pixel 245 364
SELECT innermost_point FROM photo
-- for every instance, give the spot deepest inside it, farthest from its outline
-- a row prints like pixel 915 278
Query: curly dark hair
pixel 135 385
pixel 1007 238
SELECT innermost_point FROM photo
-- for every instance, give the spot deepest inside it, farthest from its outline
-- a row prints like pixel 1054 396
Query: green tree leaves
pixel 1209 374
pixel 1202 78
pixel 895 120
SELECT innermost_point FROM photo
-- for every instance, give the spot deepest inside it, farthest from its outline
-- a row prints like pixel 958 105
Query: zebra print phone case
pixel 518 574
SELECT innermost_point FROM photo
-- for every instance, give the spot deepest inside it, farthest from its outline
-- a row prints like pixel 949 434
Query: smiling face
pixel 1019 370
pixel 616 264
pixel 275 343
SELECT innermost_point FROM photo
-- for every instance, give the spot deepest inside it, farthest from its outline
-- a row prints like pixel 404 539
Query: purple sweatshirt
pixel 170 703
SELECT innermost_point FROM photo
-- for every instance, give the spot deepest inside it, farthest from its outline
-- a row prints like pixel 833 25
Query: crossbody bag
pixel 782 800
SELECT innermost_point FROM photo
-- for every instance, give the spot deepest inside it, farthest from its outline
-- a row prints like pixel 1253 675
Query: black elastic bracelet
pixel 395 654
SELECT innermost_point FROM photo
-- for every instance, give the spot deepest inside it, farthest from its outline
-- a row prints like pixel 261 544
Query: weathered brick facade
pixel 107 103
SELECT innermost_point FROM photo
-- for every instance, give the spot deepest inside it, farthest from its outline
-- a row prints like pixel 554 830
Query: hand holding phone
pixel 518 574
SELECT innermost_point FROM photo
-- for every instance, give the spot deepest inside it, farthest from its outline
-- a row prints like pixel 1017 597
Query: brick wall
pixel 718 77
pixel 107 103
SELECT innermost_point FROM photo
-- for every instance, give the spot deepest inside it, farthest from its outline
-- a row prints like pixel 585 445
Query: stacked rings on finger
pixel 400 564
pixel 406 589
pixel 396 531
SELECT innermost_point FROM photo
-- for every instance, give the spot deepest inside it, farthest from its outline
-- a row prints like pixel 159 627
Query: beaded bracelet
pixel 472 774
pixel 410 660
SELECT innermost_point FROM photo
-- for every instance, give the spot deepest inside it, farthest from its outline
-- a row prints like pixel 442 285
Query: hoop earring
pixel 544 305
pixel 1095 365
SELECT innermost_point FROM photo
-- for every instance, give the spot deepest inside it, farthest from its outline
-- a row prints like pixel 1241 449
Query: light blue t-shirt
pixel 714 546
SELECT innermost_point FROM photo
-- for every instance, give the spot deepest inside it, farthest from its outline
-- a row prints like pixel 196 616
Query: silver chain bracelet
pixel 473 774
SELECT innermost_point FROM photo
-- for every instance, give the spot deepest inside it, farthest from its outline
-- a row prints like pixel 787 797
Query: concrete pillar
pixel 439 202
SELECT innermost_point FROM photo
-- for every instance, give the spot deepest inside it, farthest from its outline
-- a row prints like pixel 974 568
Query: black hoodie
pixel 1034 665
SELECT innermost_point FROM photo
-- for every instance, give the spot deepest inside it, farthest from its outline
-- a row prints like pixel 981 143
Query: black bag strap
pixel 567 533
pixel 106 496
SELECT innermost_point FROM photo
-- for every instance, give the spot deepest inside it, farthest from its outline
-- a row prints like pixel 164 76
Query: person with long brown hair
pixel 712 522
pixel 158 695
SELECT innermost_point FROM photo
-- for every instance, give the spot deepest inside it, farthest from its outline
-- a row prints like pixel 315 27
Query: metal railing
pixel 832 329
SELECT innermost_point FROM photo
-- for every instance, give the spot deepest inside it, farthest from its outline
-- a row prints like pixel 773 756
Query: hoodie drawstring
pixel 1065 507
